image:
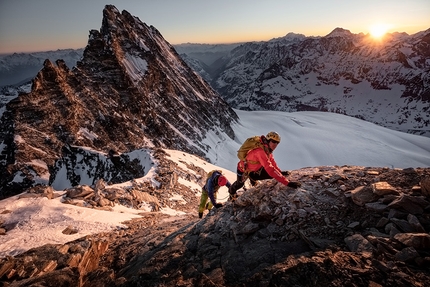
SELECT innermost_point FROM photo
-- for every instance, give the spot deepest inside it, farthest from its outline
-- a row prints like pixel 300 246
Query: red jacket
pixel 258 158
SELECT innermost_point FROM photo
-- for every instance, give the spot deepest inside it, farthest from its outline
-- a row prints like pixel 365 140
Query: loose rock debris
pixel 346 226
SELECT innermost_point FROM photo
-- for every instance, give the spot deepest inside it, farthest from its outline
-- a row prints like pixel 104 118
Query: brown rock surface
pixel 271 236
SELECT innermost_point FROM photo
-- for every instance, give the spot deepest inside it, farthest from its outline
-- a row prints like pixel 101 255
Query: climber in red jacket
pixel 260 164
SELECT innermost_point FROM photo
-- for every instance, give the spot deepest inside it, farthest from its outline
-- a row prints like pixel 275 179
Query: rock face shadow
pixel 346 226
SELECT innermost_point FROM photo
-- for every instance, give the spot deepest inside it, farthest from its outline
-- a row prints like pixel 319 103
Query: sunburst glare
pixel 378 30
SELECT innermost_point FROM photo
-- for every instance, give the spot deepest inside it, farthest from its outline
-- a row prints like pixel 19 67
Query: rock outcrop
pixel 271 235
pixel 131 90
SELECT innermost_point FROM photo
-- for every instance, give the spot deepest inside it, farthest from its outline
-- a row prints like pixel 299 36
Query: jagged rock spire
pixel 130 90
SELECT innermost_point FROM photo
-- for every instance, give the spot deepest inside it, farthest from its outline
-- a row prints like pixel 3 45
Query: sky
pixel 43 25
pixel 308 139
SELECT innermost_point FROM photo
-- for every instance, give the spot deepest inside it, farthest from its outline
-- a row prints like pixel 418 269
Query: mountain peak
pixel 130 90
pixel 339 32
pixel 295 36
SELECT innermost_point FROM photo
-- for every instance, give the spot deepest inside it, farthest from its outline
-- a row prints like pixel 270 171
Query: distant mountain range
pixel 130 89
pixel 386 82
pixel 18 68
pixel 130 123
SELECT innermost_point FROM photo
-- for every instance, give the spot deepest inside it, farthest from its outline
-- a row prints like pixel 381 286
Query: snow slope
pixel 308 139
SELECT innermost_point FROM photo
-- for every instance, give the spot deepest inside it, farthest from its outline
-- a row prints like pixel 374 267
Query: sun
pixel 378 30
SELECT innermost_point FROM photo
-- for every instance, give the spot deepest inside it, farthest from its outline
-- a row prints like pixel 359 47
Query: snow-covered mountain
pixel 386 82
pixel 130 90
pixel 131 132
pixel 18 68
pixel 382 81
pixel 208 54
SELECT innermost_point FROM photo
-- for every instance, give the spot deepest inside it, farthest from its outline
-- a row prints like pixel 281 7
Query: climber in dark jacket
pixel 214 181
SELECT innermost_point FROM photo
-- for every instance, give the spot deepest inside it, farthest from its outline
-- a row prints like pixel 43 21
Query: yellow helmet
pixel 274 136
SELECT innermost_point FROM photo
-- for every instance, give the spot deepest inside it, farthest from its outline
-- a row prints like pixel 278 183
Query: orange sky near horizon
pixel 42 25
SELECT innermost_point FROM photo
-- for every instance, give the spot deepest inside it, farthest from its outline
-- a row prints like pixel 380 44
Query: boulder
pixel 425 186
pixel 362 195
pixel 407 254
pixel 411 204
pixel 416 240
pixel 357 243
pixel 79 191
pixel 382 188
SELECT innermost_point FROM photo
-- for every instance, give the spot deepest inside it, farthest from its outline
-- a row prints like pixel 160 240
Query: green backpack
pixel 250 144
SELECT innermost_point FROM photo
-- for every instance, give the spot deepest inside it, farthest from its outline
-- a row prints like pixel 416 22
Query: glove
pixel 285 172
pixel 294 184
pixel 218 205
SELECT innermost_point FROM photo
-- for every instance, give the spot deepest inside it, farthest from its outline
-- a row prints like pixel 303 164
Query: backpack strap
pixel 264 146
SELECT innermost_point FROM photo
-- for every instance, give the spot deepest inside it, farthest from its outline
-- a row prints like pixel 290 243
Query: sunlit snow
pixel 308 139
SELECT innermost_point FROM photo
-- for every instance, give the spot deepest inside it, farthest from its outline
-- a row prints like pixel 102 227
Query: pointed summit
pixel 339 32
pixel 130 90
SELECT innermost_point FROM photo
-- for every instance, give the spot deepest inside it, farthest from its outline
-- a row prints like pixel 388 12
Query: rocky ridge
pixel 131 90
pixel 346 226
pixel 383 81
pixel 18 68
